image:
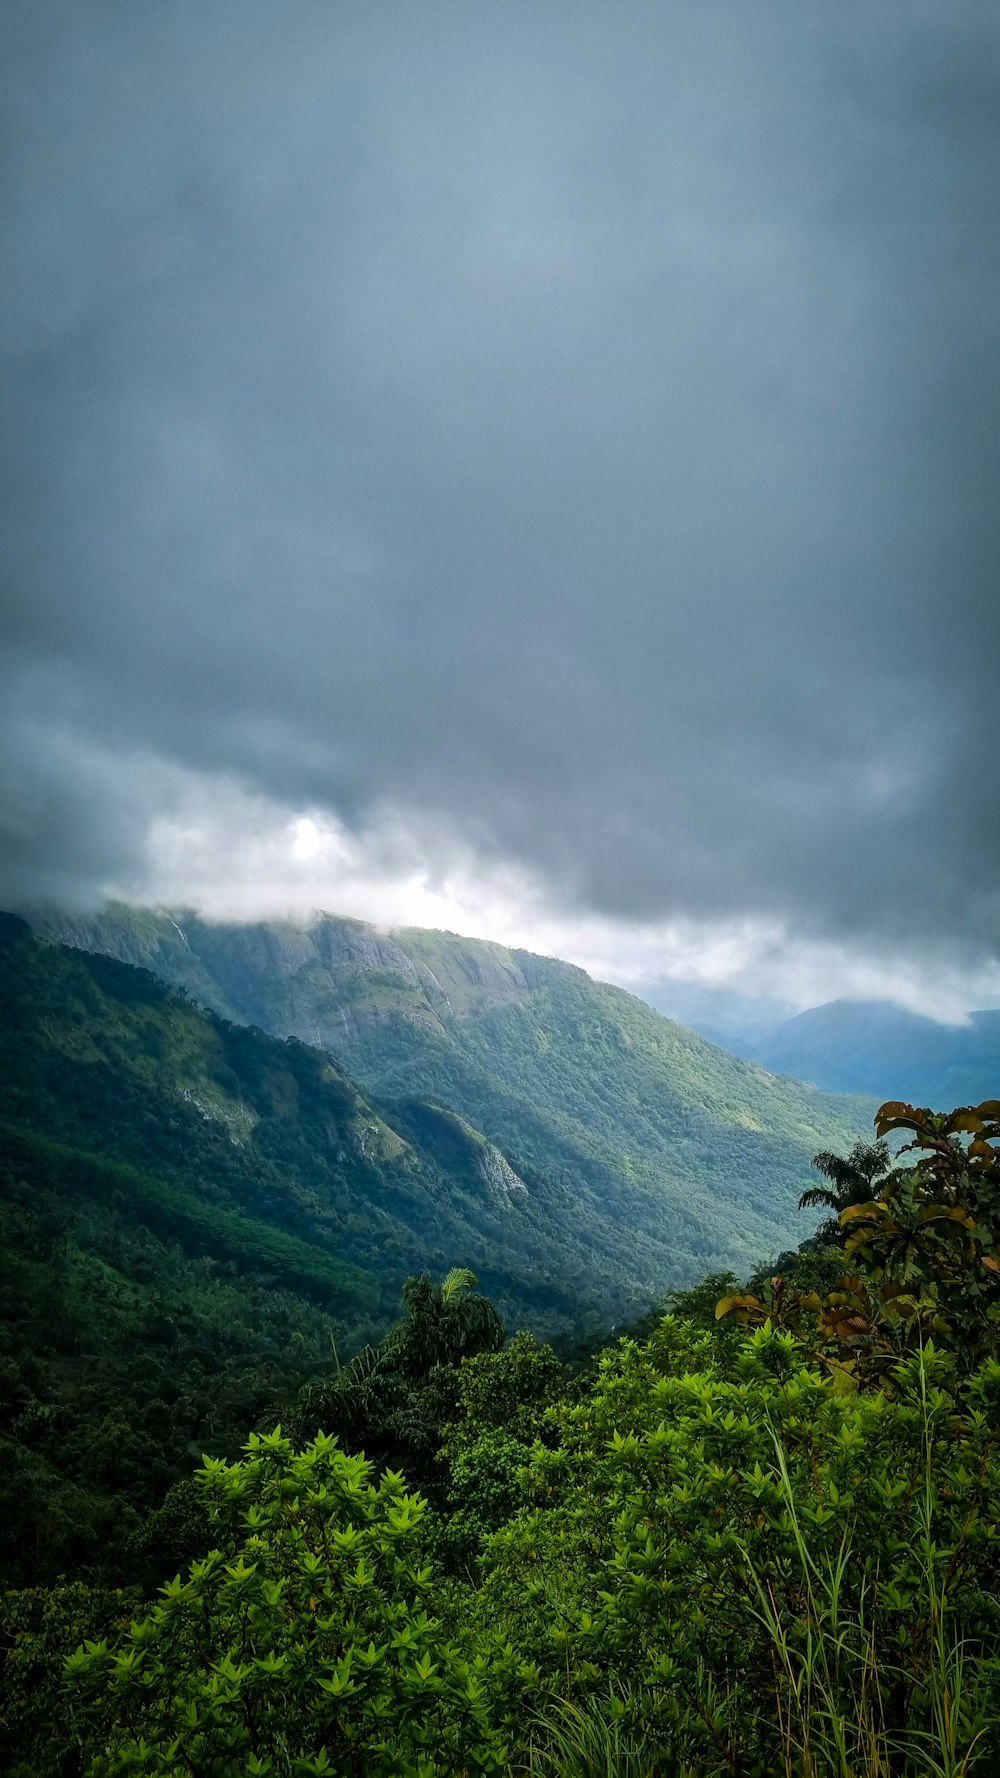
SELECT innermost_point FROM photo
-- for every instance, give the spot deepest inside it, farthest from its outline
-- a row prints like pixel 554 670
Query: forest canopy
pixel 713 1548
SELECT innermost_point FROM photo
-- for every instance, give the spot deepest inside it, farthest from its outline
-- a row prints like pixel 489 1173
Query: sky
pixel 529 467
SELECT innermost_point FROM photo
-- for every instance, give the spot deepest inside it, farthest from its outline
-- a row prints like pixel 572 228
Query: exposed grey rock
pixel 347 942
pixel 254 949
pixel 500 1176
pixel 502 981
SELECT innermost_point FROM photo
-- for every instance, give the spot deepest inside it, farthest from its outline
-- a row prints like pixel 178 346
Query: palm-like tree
pixel 856 1178
pixel 443 1323
pixel 392 1399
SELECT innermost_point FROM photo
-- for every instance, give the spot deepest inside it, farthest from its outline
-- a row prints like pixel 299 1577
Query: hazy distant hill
pixel 876 1047
pixel 733 1021
pixel 650 1155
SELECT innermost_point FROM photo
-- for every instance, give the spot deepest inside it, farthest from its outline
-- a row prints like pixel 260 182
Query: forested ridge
pixel 194 1216
pixel 667 1156
pixel 192 1211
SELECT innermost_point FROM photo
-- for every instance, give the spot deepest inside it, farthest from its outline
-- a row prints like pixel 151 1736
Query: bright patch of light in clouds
pixel 525 469
pixel 232 854
pixel 308 839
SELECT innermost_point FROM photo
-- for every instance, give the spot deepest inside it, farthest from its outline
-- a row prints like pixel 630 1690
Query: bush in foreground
pixel 305 1643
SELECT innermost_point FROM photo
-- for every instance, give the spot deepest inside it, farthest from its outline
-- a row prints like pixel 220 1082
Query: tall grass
pixel 842 1702
pixel 831 1686
pixel 592 1740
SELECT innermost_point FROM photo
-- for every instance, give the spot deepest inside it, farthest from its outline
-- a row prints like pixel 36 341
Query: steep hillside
pixel 265 1153
pixel 653 1152
pixel 190 1211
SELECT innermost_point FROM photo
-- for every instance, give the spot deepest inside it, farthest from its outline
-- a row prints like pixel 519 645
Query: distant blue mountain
pixel 733 1021
pixel 876 1047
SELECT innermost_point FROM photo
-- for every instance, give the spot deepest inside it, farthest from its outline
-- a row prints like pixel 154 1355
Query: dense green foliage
pixel 654 1156
pixel 716 1548
pixel 245 1242
pixel 123 1356
pixel 308 1641
pixel 922 1255
pixel 190 1212
pixel 393 1400
pixel 38 1731
pixel 713 1556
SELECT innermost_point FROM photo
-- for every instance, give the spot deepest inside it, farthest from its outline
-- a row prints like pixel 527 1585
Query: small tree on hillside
pixel 855 1178
pixel 443 1323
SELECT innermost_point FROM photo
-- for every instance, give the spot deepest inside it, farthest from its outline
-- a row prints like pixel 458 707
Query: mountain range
pixel 199 1214
pixel 647 1155
pixel 877 1047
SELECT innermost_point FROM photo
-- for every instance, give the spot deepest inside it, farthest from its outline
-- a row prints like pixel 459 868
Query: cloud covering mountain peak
pixel 554 447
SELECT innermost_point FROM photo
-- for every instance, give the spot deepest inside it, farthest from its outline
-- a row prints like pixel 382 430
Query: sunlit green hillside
pixel 649 1150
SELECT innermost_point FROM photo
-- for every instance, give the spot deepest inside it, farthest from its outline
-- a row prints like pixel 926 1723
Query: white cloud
pixel 233 854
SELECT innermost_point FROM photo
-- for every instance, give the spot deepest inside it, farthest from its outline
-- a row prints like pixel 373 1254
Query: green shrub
pixel 38 1735
pixel 306 1642
pixel 779 1574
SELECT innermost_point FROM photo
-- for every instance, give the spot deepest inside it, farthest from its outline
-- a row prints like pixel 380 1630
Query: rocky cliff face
pixel 347 944
pixel 461 1147
pixel 323 980
pixel 465 975
pixel 500 1177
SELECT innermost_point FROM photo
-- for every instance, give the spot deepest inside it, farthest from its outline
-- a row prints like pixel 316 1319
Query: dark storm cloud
pixel 572 426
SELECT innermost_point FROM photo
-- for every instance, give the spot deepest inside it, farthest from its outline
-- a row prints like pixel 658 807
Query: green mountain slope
pixel 653 1155
pixel 262 1151
pixel 189 1211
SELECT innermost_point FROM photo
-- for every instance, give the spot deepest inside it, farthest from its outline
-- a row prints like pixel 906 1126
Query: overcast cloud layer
pixel 553 448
